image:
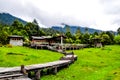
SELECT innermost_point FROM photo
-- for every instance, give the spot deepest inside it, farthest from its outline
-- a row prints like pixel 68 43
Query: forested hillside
pixel 6 18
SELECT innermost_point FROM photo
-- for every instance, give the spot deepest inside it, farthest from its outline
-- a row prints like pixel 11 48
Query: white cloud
pixel 99 14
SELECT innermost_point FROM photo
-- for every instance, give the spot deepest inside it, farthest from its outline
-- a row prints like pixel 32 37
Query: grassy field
pixel 17 56
pixel 92 64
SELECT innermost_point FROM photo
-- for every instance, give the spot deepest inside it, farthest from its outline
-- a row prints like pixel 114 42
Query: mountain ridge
pixel 74 28
pixel 6 18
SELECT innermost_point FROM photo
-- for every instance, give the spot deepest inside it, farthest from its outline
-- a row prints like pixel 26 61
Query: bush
pixel 117 39
pixel 9 45
pixel 1 45
pixel 27 44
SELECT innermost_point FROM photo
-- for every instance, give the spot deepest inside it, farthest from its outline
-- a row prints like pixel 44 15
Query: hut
pixel 16 40
pixel 97 42
pixel 40 41
pixel 43 41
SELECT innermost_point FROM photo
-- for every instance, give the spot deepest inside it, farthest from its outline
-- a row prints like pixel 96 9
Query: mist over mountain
pixel 6 18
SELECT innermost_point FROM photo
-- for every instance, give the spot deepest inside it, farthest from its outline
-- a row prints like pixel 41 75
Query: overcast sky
pixel 98 14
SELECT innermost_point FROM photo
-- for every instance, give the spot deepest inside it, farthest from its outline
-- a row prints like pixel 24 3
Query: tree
pixel 16 25
pixel 31 29
pixel 118 30
pixel 105 39
pixel 117 39
pixel 41 33
pixel 78 33
pixel 95 33
pixel 85 38
pixel 3 37
pixel 68 33
pixel 69 40
pixel 36 26
pixel 111 35
pixel 86 29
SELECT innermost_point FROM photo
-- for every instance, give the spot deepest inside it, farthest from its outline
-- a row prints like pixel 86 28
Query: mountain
pixel 6 18
pixel 74 28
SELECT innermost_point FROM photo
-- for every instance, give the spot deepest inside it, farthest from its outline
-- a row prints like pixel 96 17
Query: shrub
pixel 117 39
pixel 1 45
pixel 9 45
pixel 27 44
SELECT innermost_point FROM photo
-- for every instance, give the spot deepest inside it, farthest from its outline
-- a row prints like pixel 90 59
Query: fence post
pixel 55 70
pixel 23 70
pixel 37 75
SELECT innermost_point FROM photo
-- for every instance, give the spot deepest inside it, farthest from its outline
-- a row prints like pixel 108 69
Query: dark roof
pixel 15 36
pixel 42 37
pixel 46 37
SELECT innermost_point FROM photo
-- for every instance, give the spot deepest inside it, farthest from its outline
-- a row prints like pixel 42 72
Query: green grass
pixel 92 64
pixel 17 56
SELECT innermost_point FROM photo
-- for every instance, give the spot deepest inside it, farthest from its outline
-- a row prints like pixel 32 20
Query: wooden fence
pixel 34 72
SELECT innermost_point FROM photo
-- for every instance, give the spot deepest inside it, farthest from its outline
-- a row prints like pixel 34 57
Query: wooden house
pixel 46 40
pixel 97 42
pixel 16 40
pixel 39 41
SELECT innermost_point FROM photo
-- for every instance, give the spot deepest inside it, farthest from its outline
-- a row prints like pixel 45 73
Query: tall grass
pixel 17 56
pixel 92 64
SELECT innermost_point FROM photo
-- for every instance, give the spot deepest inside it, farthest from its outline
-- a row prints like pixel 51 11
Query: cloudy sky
pixel 98 14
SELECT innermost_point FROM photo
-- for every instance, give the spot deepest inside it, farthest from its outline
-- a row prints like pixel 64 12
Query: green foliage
pixel 117 39
pixel 49 31
pixel 95 33
pixel 67 27
pixel 68 34
pixel 9 46
pixel 118 30
pixel 7 19
pixel 111 35
pixel 31 29
pixel 16 25
pixel 69 40
pixel 78 34
pixel 3 35
pixel 41 32
pixel 105 39
pixel 85 38
pixel 77 41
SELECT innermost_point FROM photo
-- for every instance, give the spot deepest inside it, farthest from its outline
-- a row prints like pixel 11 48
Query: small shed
pixel 97 42
pixel 38 41
pixel 16 40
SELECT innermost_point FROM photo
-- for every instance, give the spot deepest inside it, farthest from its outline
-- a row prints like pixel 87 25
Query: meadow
pixel 17 56
pixel 92 64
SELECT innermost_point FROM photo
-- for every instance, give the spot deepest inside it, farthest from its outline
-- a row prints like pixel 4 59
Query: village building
pixel 97 42
pixel 44 41
pixel 40 41
pixel 16 40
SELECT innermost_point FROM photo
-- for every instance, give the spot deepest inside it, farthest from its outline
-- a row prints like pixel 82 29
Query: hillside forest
pixel 33 29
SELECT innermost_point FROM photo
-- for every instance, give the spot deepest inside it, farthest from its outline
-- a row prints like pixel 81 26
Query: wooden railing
pixel 37 69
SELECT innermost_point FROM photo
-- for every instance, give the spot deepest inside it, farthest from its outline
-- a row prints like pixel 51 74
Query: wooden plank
pixel 13 75
pixel 22 79
pixel 46 65
pixel 35 66
pixel 10 69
